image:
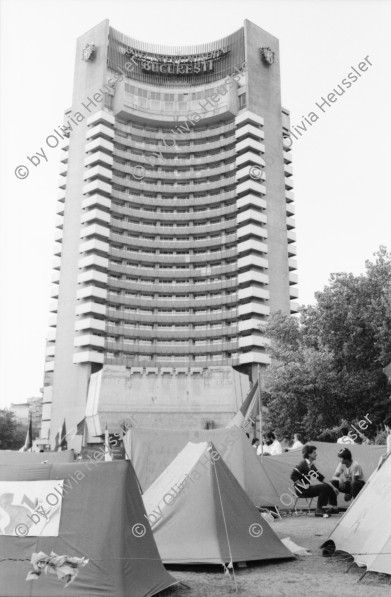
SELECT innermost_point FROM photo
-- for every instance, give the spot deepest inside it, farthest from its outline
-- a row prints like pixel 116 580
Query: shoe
pixel 347 497
pixel 321 514
pixel 332 510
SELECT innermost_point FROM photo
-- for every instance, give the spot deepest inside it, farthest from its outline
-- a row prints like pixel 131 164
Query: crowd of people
pixel 308 482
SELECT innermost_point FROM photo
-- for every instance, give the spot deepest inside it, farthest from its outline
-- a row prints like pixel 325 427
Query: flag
pixel 28 443
pixel 108 457
pixel 60 439
pixel 63 436
pixel 247 413
pixel 80 427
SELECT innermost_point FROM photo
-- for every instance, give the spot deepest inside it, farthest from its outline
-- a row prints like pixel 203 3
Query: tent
pixel 199 513
pixel 88 510
pixel 278 468
pixel 152 450
pixel 12 457
pixel 365 529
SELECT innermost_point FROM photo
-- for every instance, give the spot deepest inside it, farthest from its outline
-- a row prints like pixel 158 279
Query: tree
pixel 328 363
pixel 12 434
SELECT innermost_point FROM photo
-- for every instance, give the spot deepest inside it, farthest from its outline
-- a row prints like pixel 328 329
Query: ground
pixel 307 576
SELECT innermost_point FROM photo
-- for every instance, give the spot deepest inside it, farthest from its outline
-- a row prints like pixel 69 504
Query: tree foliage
pixel 328 362
pixel 12 433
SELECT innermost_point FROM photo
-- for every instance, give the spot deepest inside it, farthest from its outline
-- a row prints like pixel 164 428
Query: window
pixel 242 101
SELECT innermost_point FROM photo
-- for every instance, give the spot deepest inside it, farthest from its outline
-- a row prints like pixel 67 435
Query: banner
pixel 30 508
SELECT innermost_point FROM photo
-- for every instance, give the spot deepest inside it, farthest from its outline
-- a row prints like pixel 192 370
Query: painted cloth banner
pixel 30 508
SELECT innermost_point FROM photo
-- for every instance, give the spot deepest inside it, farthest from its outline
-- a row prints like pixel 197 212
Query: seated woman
pixel 348 477
pixel 302 476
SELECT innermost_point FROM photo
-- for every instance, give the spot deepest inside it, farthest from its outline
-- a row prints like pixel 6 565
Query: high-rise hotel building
pixel 175 231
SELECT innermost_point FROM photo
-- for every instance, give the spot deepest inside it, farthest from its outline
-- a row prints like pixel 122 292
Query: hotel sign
pixel 195 64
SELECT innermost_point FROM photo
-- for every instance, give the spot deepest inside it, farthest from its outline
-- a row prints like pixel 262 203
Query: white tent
pixel 199 513
pixel 365 529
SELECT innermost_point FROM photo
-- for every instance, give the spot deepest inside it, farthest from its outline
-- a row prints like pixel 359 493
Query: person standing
pixel 302 476
pixel 348 477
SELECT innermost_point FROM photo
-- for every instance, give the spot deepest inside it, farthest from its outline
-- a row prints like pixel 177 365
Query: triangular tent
pixel 152 450
pixel 365 529
pixel 93 510
pixel 199 513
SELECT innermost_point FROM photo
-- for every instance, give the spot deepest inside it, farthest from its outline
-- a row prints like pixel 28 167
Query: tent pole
pixel 260 410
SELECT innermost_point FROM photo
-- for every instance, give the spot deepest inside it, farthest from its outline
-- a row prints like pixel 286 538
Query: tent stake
pixel 350 565
pixel 362 576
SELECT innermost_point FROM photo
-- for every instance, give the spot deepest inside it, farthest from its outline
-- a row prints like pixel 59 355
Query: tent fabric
pixel 11 457
pixel 152 450
pixel 200 514
pixel 278 468
pixel 365 529
pixel 100 506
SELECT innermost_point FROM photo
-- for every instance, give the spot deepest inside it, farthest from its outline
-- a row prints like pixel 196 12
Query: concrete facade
pixel 172 251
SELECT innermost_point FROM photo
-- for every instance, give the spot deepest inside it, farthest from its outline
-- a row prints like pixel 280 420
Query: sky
pixel 339 164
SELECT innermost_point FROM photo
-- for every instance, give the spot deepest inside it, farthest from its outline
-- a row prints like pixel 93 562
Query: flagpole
pixel 260 410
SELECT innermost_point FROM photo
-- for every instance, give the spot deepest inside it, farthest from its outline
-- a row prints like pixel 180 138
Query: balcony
pixel 251 230
pixel 250 261
pixel 94 245
pixel 248 116
pixel 252 357
pixel 247 144
pixel 89 340
pixel 252 275
pixel 101 116
pixel 90 323
pixel 89 356
pixel 98 171
pixel 101 144
pixel 101 131
pixel 91 292
pixel 249 187
pixel 92 275
pixel 90 307
pixel 249 130
pixel 253 340
pixel 247 201
pixel 93 260
pixel 252 292
pixel 97 186
pixel 253 308
pixel 96 201
pixel 95 215
pixel 252 245
pixel 94 230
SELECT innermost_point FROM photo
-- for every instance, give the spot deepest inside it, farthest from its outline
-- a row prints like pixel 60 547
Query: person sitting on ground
pixel 297 441
pixel 345 439
pixel 365 441
pixel 273 446
pixel 302 476
pixel 255 443
pixel 348 477
pixel 264 448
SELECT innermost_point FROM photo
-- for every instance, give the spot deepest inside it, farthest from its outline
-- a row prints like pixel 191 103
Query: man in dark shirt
pixel 302 475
